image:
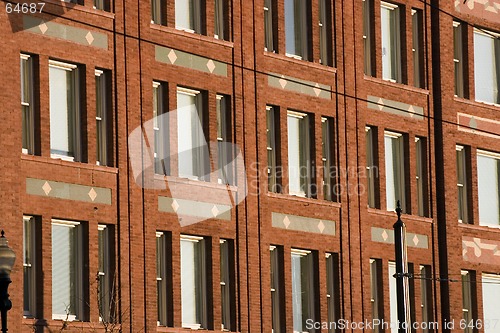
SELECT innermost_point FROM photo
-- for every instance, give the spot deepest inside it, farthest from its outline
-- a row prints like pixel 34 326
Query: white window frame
pixel 496 49
pixel 224 158
pixel 303 152
pixel 496 157
pixel 490 281
pixel 328 159
pixel 332 292
pixel 462 188
pixel 272 149
pixel 467 299
pixel 225 284
pixel 198 157
pixel 458 59
pixel 161 279
pixel 375 294
pixel 202 287
pixel 276 288
pixel 325 33
pixel 417 50
pixel 195 11
pixel 399 181
pixel 300 30
pixel 306 271
pixel 78 271
pixel 220 28
pixel 367 36
pixel 157 12
pixel 394 41
pixel 27 103
pixel 102 154
pixel 421 175
pixel 268 26
pixel 29 266
pixel 104 273
pixel 76 112
pixel 370 166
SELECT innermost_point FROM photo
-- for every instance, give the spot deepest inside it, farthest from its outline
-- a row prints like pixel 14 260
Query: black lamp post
pixel 7 259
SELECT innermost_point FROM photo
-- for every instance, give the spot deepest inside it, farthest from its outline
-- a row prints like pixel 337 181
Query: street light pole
pixel 402 285
pixel 7 259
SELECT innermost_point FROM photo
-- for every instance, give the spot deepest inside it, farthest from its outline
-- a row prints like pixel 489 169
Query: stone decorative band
pixel 382 235
pixel 481 251
pixel 77 35
pixel 299 86
pixel 394 107
pixel 487 10
pixel 53 189
pixel 205 210
pixel 301 223
pixel 478 125
pixel 183 59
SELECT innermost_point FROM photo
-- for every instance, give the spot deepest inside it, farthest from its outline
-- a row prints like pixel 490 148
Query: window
pixel 103 117
pixel 391 42
pixel 64 111
pixel 487 186
pixel 192 147
pixel 221 26
pixel 29 266
pixel 394 170
pixel 297 28
pixel 299 159
pixel 188 15
pixel 158 12
pixel 277 292
pixel 67 270
pixel 371 166
pixel 487 66
pixel 368 36
pixel 332 289
pixel 273 151
pixel 376 294
pixel 161 129
pixel 328 159
pixel 193 282
pixel 226 272
pixel 269 26
pixel 393 301
pixel 224 149
pixel 467 300
pixel 28 104
pixel 459 58
pixel 325 33
pixel 163 282
pixel 303 288
pixel 102 5
pixel 462 185
pixel 491 294
pixel 426 297
pixel 106 291
pixel 421 175
pixel 418 47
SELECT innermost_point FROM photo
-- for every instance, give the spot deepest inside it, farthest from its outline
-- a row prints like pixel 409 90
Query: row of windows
pixel 397 171
pixel 423 276
pixel 97 4
pixel 298 27
pixel 190 15
pixel 195 274
pixel 67 111
pixel 488 187
pixel 490 285
pixel 392 21
pixel 305 293
pixel 71 290
pixel 486 63
pixel 301 154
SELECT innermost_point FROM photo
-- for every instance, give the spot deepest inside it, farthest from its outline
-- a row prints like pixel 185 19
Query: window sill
pixel 192 182
pixel 41 159
pixel 483 228
pixel 81 8
pixel 296 198
pixel 396 84
pixel 299 62
pixel 491 106
pixel 192 35
pixel 404 217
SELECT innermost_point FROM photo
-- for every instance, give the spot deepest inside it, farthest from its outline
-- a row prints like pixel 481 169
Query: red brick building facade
pixel 113 196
